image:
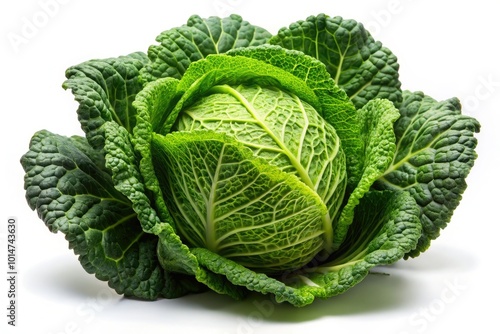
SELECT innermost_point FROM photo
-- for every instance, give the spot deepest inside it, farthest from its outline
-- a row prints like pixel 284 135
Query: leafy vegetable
pixel 233 160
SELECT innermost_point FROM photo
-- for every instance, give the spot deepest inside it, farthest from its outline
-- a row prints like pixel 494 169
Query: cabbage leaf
pixel 435 153
pixel 181 46
pixel 361 66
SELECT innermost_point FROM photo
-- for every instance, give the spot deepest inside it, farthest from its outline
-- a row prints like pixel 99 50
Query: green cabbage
pixel 233 160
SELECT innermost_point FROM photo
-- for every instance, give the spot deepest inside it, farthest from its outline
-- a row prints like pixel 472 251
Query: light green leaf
pixel 216 70
pixel 435 152
pixel 386 227
pixel 232 203
pixel 280 128
pixel 270 104
pixel 105 90
pixel 360 65
pixel 122 161
pixel 181 46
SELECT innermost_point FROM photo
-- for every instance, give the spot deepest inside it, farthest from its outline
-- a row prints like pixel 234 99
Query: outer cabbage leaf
pixel 75 196
pixel 360 65
pixel 179 47
pixel 389 227
pixel 121 160
pixel 228 201
pixel 435 152
pixel 105 90
pixel 184 270
pixel 377 120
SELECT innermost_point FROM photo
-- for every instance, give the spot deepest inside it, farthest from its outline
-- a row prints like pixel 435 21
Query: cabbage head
pixel 230 159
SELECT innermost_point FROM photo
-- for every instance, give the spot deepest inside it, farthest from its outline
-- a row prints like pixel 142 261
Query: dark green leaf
pixel 360 65
pixel 105 90
pixel 377 119
pixel 435 152
pixel 73 195
pixel 179 47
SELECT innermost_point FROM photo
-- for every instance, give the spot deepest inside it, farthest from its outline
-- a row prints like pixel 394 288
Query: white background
pixel 445 48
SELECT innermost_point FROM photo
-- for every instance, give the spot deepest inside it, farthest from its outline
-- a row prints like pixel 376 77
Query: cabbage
pixel 232 160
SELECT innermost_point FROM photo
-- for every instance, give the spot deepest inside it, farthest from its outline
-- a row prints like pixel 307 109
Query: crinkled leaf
pixel 333 103
pixel 386 226
pixel 152 105
pixel 105 90
pixel 435 153
pixel 377 120
pixel 291 136
pixel 72 194
pixel 182 272
pixel 251 280
pixel 215 70
pixel 360 65
pixel 121 160
pixel 181 46
pixel 230 202
pixel 180 262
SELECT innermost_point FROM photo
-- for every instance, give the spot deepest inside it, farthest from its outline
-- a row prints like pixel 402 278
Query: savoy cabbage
pixel 233 160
